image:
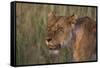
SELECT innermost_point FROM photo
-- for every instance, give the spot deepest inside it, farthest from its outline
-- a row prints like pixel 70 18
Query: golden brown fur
pixel 62 29
pixel 57 33
pixel 85 45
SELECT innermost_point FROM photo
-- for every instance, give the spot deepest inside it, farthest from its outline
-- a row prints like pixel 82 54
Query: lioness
pixel 78 33
pixel 84 48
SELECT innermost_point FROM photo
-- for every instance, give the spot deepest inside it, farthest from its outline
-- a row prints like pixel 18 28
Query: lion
pixel 84 48
pixel 74 32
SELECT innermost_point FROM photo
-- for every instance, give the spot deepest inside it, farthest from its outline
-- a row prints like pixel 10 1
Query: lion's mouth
pixel 54 47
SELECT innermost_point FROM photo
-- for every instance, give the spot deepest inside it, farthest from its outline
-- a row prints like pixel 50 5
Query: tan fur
pixel 85 45
pixel 56 29
pixel 59 28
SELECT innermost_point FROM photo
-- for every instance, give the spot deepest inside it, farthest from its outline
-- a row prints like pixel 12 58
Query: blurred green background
pixel 31 25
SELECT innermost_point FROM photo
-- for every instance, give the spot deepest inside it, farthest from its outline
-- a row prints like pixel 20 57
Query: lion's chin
pixel 54 52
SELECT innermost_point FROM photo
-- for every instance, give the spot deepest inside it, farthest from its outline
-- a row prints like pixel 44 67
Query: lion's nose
pixel 49 39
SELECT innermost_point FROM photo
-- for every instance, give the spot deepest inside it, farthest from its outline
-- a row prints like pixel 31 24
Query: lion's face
pixel 59 31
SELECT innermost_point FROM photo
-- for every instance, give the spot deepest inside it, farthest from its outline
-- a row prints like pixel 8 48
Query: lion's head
pixel 59 30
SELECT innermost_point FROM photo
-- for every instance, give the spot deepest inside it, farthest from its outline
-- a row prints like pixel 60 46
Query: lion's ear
pixel 73 21
pixel 74 18
pixel 51 14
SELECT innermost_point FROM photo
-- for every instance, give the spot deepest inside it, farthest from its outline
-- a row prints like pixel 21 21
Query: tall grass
pixel 31 25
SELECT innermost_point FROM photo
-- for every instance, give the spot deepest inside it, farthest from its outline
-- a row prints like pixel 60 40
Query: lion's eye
pixel 61 29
